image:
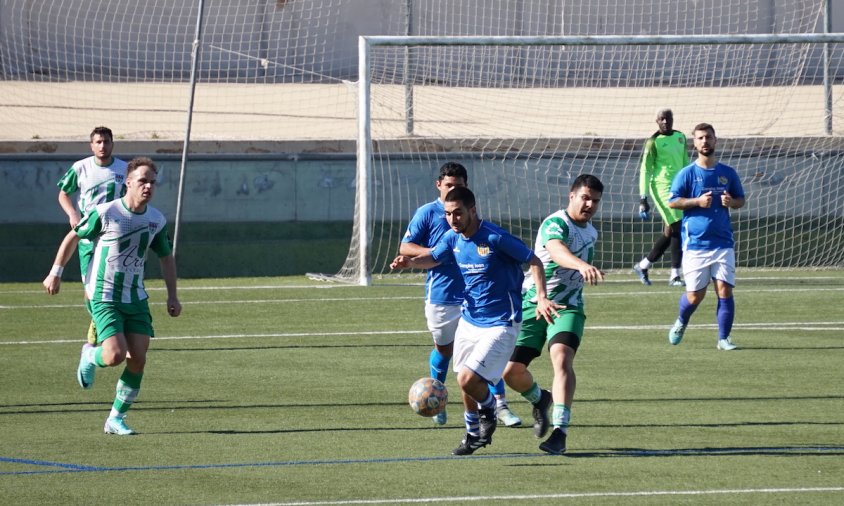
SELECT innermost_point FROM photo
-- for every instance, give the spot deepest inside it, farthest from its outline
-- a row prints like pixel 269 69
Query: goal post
pixel 527 114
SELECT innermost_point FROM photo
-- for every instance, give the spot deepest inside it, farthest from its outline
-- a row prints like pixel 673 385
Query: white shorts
pixel 699 266
pixel 485 351
pixel 442 322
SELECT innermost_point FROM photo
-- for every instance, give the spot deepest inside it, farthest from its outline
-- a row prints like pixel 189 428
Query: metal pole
pixel 364 162
pixel 408 83
pixel 827 78
pixel 605 40
pixel 186 145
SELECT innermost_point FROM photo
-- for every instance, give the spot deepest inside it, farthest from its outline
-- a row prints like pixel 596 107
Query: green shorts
pixel 660 202
pixel 535 333
pixel 86 253
pixel 113 318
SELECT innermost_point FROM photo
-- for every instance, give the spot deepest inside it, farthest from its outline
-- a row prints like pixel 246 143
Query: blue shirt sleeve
pixel 443 251
pixel 417 229
pixel 514 247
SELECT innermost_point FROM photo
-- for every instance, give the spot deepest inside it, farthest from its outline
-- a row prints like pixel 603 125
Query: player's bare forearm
pixel 69 208
pixel 412 249
pixel 562 256
pixel 736 203
pixel 52 283
pixel 545 308
pixel 704 200
pixel 425 261
pixel 168 272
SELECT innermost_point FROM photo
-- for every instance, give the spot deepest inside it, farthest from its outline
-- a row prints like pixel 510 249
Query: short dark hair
pixel 453 169
pixel 704 126
pixel 101 130
pixel 461 194
pixel 140 161
pixel 589 181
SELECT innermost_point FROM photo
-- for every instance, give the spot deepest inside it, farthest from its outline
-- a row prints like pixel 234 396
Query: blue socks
pixel 439 365
pixel 725 314
pixel 686 309
pixel 498 388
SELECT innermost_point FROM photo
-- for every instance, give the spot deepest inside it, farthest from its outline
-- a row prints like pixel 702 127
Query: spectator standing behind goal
pixel 566 245
pixel 122 231
pixel 664 155
pixel 705 191
pixel 98 179
pixel 444 286
pixel 490 261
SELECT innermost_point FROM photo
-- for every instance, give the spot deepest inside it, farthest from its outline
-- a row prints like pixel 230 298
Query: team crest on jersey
pixel 483 249
pixel 722 180
pixel 118 178
pixel 153 227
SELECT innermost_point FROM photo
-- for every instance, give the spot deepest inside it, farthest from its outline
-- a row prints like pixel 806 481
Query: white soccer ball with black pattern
pixel 427 396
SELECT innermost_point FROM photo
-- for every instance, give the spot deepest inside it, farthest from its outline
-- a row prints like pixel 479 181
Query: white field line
pixel 401 282
pixel 415 297
pixel 572 495
pixel 802 326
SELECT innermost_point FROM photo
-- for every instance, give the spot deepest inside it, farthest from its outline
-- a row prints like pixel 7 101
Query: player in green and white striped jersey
pixel 122 230
pixel 98 179
pixel 566 245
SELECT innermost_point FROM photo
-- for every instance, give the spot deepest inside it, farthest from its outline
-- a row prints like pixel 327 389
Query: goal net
pixel 526 115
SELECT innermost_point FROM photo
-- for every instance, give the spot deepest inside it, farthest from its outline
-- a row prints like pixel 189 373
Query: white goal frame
pixel 363 224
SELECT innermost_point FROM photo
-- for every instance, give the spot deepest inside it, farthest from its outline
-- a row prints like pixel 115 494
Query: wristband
pixel 57 271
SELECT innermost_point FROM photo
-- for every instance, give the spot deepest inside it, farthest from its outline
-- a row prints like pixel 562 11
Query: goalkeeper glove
pixel 644 208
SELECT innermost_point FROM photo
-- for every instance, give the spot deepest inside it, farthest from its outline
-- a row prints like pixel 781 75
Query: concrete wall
pixel 230 189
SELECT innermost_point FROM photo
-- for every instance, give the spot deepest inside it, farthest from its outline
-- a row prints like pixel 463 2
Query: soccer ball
pixel 427 396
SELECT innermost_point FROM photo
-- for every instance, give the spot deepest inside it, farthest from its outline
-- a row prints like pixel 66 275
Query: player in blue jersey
pixel 444 286
pixel 706 190
pixel 489 259
pixel 566 245
pixel 98 178
pixel 122 230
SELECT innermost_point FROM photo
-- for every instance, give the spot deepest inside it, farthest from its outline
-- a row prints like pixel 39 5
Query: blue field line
pixel 65 467
pixel 73 468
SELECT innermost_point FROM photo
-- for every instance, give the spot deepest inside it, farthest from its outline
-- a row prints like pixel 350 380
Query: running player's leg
pixel 725 280
pixel 85 249
pixel 529 346
pixel 138 331
pixel 442 323
pixel 566 333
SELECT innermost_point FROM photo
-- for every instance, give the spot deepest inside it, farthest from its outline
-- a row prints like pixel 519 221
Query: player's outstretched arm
pixel 562 255
pixel 52 283
pixel 411 249
pixel 168 272
pixel 425 261
pixel 545 308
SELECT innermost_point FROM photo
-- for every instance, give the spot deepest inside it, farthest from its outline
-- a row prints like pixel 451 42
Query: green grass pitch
pixel 288 391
